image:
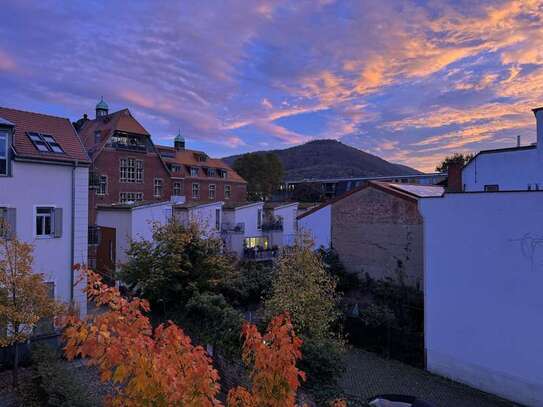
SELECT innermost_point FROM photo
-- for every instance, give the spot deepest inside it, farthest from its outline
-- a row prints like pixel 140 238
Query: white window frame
pixel 6 157
pixel 214 189
pixel 99 190
pixel 197 190
pixel 174 189
pixel 137 197
pixel 158 187
pixel 51 235
pixel 193 171
pixel 229 189
pixel 130 170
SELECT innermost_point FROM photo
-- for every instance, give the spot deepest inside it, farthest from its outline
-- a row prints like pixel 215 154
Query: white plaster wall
pixel 143 218
pixel 318 225
pixel 121 220
pixel 33 185
pixel 512 170
pixel 288 214
pixel 205 216
pixel 81 231
pixel 483 279
pixel 248 215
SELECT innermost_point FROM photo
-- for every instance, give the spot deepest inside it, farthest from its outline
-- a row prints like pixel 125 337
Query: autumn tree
pixel 457 158
pixel 161 367
pixel 275 378
pixel 24 297
pixel 305 289
pixel 148 366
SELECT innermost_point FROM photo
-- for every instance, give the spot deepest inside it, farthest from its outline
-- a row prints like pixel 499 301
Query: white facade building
pixel 44 196
pixel 317 224
pixel 208 216
pixel 132 222
pixel 483 268
pixel 242 225
pixel 510 169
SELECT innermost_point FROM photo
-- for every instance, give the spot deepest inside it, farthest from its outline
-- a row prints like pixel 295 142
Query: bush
pixel 345 281
pixel 53 382
pixel 323 363
pixel 251 285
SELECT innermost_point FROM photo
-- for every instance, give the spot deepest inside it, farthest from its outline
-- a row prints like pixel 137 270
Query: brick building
pixel 201 178
pixel 126 165
pixel 375 229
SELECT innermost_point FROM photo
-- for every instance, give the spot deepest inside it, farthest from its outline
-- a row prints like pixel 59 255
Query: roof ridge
pixel 36 113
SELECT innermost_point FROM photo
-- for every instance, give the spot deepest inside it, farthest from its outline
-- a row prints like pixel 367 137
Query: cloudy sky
pixel 411 81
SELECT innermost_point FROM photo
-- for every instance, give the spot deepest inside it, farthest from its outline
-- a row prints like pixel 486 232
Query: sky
pixel 410 81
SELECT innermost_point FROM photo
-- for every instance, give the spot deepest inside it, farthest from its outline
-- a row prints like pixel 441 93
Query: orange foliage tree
pixel 158 367
pixel 274 376
pixel 161 367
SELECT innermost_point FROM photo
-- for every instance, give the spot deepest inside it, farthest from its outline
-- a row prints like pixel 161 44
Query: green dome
pixel 102 105
pixel 179 137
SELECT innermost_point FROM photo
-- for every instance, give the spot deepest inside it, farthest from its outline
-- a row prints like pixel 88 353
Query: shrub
pixel 53 382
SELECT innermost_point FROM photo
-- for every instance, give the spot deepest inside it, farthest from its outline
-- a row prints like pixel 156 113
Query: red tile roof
pixel 189 158
pixel 58 127
pixel 117 121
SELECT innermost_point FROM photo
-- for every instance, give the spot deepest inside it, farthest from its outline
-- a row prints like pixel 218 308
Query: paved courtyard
pixel 368 375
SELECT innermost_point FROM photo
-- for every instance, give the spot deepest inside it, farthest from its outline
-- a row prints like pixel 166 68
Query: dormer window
pixel 45 143
pixel 193 171
pixel 4 149
pixel 211 172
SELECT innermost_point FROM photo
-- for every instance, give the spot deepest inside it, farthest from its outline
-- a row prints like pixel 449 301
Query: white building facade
pixel 483 268
pixel 44 180
pixel 510 169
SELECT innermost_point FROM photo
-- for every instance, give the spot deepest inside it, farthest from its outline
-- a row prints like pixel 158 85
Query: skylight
pixel 45 143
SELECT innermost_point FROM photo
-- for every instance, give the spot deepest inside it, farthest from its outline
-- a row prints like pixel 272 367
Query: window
pixel 126 197
pixel 4 148
pixel 259 219
pixel 177 188
pixel 158 186
pixel 252 242
pixel 48 222
pixel 193 171
pixel 195 191
pixel 211 172
pixel 102 185
pixel 131 170
pixel 227 192
pixel 223 174
pixel 212 189
pixel 96 136
pixel 175 168
pixel 45 143
pixel 492 188
pixel 218 219
pixel 3 222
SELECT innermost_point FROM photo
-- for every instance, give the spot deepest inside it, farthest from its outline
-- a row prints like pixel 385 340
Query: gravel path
pixel 368 375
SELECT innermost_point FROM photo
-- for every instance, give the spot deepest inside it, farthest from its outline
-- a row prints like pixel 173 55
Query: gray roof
pixel 6 122
pixel 421 191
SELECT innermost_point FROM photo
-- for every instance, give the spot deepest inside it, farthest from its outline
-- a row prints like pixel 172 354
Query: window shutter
pixel 11 220
pixel 58 222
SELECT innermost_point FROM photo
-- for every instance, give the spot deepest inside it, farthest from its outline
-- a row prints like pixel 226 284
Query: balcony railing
pixel 272 225
pixel 260 254
pixel 233 227
pixel 131 147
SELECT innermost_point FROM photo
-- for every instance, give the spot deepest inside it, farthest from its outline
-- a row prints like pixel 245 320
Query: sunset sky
pixel 410 81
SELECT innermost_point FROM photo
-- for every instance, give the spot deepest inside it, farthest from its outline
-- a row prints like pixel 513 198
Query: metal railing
pixel 233 227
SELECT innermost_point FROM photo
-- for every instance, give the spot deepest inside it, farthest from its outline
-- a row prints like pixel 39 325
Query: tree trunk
pixel 16 365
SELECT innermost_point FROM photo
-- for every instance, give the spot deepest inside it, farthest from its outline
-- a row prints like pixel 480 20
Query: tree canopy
pixel 459 158
pixel 263 173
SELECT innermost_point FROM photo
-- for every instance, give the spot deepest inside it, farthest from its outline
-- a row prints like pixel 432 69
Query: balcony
pixel 258 254
pixel 273 225
pixel 141 148
pixel 233 227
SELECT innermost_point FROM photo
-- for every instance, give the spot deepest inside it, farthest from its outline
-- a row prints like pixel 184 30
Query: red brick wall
pixel 108 163
pixel 238 194
pixel 379 233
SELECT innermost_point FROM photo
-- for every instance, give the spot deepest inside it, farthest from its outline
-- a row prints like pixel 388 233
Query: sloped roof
pixel 411 192
pixel 60 128
pixel 189 158
pixel 121 120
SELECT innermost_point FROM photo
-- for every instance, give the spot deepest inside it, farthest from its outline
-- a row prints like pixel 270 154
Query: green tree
pixel 304 288
pixel 263 173
pixel 459 158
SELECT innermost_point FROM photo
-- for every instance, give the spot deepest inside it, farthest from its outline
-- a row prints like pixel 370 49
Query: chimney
pixel 454 177
pixel 538 112
pixel 518 141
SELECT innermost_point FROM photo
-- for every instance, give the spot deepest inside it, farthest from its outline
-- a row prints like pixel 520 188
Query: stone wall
pixel 379 233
